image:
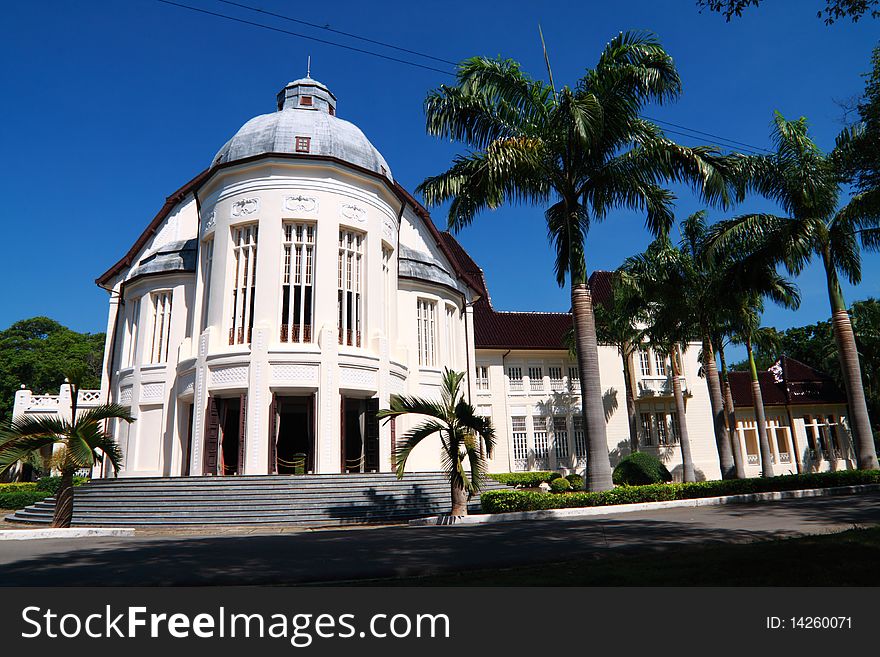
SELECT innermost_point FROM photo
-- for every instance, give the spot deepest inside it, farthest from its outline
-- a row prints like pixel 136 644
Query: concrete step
pixel 313 500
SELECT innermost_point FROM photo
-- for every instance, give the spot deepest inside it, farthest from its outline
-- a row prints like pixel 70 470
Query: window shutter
pixel 371 446
pixel 242 432
pixel 212 436
pixel 273 435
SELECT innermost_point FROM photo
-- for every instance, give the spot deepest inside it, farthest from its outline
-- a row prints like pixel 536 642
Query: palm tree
pixel 748 333
pixel 806 182
pixel 463 435
pixel 580 153
pixel 657 277
pixel 78 442
pixel 718 340
pixel 615 326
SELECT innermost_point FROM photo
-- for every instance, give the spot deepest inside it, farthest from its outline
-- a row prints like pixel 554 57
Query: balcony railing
pixel 658 386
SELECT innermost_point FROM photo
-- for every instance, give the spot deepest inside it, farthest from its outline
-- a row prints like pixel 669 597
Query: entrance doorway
pixel 225 435
pixel 360 435
pixel 292 435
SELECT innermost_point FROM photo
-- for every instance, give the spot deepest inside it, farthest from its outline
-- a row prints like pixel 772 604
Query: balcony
pixel 658 386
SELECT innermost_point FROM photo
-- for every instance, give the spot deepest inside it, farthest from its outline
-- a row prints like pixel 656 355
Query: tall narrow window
pixel 161 326
pixel 207 267
pixel 536 379
pixel 674 431
pixel 427 329
pixel 350 285
pixel 660 363
pixel 482 377
pixel 574 378
pixel 297 282
pixel 662 429
pixel 644 362
pixel 388 297
pixel 520 443
pixel 647 432
pixel 244 255
pixel 542 447
pixel 132 334
pixel 560 438
pixel 555 378
pixel 449 328
pixel 580 440
pixel 514 374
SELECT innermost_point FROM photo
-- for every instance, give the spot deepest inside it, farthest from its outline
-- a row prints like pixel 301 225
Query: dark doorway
pixel 187 440
pixel 230 415
pixel 294 441
pixel 360 435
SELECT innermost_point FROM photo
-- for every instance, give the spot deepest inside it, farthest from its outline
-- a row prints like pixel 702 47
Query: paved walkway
pixel 280 556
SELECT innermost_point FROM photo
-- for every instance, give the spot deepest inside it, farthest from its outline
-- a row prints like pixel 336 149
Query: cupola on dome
pixel 305 123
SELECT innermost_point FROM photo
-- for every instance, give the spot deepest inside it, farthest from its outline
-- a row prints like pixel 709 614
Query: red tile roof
pixel 788 381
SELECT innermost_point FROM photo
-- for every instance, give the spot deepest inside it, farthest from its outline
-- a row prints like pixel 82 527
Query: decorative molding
pixel 353 212
pixel 300 203
pixel 125 396
pixel 187 385
pixel 152 392
pixel 295 373
pixel 397 384
pixel 357 377
pixel 229 375
pixel 389 230
pixel 210 222
pixel 246 206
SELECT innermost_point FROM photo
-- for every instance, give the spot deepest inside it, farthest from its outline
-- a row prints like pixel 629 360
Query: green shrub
pixel 554 476
pixel 639 469
pixel 524 479
pixel 18 486
pixel 559 485
pixel 576 481
pixel 20 498
pixel 52 484
pixel 505 501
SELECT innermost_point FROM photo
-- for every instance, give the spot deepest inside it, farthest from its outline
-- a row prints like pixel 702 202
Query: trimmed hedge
pixel 559 485
pixel 18 499
pixel 525 479
pixel 576 481
pixel 639 469
pixel 20 495
pixel 504 501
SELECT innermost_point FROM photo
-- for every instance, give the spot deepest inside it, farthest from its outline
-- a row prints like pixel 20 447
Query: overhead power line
pixel 691 133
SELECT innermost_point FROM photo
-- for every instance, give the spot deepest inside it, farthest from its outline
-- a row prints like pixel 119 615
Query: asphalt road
pixel 347 554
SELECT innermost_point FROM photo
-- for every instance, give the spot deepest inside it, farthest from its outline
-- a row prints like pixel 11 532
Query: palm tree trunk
pixel 598 462
pixel 722 438
pixel 859 422
pixel 64 501
pixel 760 419
pixel 738 459
pixel 687 461
pixel 630 404
pixel 459 500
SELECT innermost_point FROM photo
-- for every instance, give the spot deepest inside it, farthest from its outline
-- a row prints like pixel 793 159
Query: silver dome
pixel 329 135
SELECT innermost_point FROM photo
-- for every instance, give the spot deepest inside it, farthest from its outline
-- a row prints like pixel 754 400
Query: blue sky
pixel 110 106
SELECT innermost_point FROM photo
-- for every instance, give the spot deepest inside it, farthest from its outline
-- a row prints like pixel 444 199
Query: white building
pixel 279 298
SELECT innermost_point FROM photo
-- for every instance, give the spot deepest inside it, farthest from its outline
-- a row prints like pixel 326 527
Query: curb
pixel 63 532
pixel 593 511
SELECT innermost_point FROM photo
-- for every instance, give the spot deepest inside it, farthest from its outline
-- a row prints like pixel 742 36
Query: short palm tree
pixel 463 436
pixel 806 183
pixel 78 442
pixel 580 153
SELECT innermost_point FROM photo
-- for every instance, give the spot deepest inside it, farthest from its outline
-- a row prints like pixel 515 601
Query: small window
pixel 332 110
pixel 305 101
pixel 303 144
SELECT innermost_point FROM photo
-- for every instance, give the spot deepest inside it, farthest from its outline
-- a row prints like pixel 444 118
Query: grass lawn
pixel 850 558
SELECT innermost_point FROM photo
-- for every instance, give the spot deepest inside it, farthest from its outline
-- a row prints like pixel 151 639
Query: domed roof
pixel 305 124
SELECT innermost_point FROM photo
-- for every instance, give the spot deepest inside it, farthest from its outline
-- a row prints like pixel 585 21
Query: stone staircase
pixel 312 500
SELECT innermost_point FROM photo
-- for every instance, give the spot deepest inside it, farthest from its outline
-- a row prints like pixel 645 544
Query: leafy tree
pixel 806 183
pixel 834 9
pixel 581 153
pixel 861 166
pixel 36 352
pixel 79 441
pixel 463 435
